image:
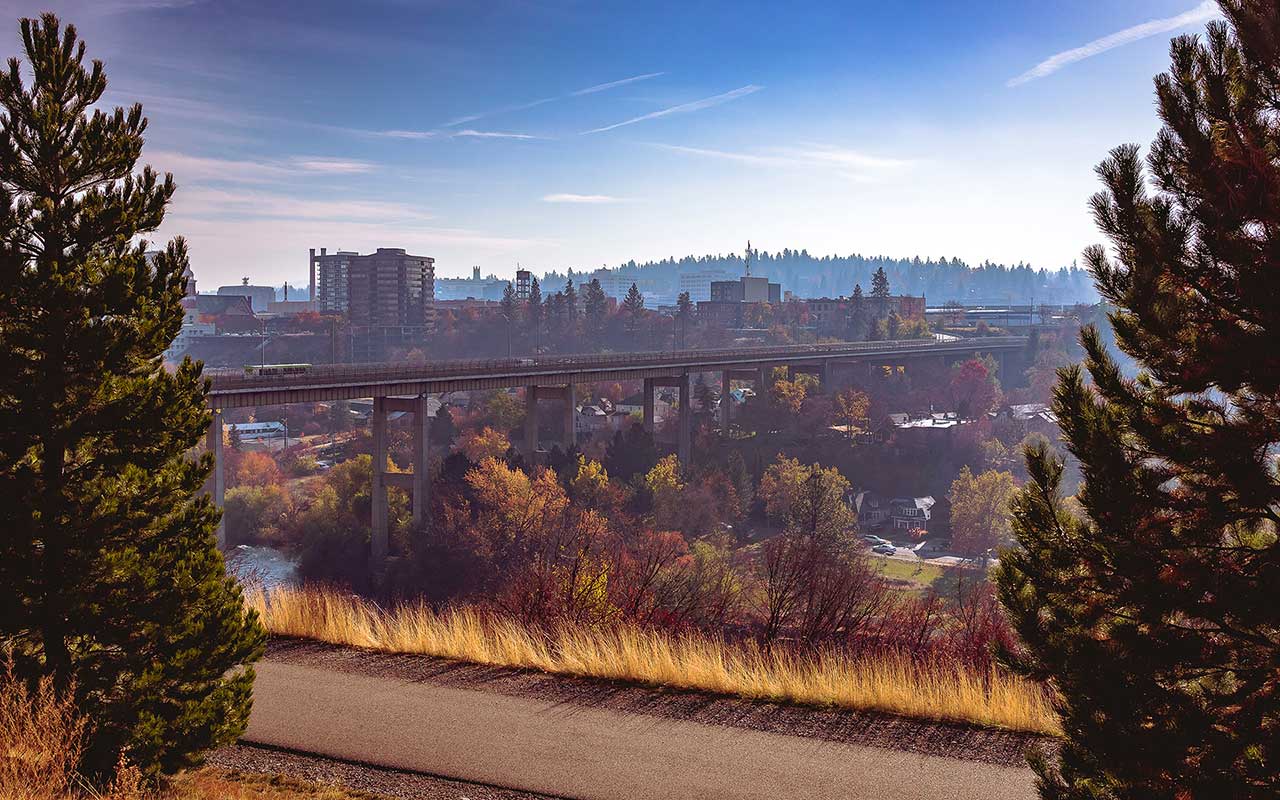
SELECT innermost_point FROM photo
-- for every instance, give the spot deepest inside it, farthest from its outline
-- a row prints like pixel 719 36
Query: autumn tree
pixel 779 486
pixel 549 555
pixel 1152 611
pixel 113 587
pixel 980 511
pixel 852 408
pixel 973 388
pixel 256 469
pixel 817 585
pixel 485 443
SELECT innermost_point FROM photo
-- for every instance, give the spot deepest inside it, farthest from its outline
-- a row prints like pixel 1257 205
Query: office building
pixel 698 284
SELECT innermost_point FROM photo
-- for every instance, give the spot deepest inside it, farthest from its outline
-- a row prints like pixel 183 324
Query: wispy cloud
pixel 856 165
pixel 589 199
pixel 331 166
pixel 209 203
pixel 600 87
pixel 842 156
pixel 202 168
pixel 504 110
pixel 1202 13
pixel 397 134
pixel 683 108
pixel 745 158
pixel 494 134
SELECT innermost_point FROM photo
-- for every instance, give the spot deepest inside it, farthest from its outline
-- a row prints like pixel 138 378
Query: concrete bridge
pixel 404 387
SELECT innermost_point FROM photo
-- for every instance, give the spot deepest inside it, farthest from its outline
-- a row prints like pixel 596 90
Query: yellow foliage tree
pixel 664 485
pixel 980 518
pixel 486 443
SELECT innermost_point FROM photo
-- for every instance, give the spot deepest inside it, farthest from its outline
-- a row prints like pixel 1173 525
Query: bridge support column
pixel 648 405
pixel 379 547
pixel 215 484
pixel 421 461
pixel 530 422
pixel 570 417
pixel 685 442
pixel 726 401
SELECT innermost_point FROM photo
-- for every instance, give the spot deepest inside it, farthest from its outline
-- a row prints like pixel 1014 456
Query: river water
pixel 262 566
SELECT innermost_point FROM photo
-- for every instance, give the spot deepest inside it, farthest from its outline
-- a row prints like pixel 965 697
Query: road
pixel 583 752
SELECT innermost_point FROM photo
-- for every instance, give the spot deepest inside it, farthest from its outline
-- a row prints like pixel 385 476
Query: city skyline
pixel 528 134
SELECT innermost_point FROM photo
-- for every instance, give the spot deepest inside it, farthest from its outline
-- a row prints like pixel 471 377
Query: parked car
pixel 874 540
pixel 884 549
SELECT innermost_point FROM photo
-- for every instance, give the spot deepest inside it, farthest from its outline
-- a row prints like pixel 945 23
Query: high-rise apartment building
pixel 391 302
pixel 391 287
pixel 329 284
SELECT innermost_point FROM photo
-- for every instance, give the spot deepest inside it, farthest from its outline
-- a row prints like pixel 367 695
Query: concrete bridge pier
pixel 532 394
pixel 417 483
pixel 215 484
pixel 684 445
pixel 530 422
pixel 648 405
pixel 421 461
pixel 379 544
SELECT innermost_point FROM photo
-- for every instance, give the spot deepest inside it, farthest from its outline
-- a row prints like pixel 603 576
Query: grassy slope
pixel 887 684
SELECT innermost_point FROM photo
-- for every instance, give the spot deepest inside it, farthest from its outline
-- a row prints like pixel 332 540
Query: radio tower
pixel 747 258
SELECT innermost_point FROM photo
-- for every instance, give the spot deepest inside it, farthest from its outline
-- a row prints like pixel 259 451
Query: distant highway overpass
pixel 404 387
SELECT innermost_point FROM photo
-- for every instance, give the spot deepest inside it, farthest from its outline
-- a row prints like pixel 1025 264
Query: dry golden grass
pixel 212 783
pixel 41 741
pixel 42 737
pixel 889 684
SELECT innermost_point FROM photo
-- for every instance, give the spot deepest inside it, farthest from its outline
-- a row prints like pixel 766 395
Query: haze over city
pixel 573 135
pixel 544 398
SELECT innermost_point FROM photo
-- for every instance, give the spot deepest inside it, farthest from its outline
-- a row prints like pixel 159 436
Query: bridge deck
pixel 233 388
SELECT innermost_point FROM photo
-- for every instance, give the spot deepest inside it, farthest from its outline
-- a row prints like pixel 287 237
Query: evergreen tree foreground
pixel 112 582
pixel 1153 613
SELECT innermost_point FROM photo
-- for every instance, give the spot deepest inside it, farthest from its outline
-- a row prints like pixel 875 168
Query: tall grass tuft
pixel 41 740
pixel 894 684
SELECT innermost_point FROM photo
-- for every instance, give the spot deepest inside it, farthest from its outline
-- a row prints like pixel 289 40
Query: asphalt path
pixel 578 751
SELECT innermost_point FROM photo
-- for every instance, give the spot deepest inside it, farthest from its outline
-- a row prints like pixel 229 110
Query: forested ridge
pixel 939 280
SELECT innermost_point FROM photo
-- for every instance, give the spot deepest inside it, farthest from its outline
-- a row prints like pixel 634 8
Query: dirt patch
pixel 1006 748
pixel 353 777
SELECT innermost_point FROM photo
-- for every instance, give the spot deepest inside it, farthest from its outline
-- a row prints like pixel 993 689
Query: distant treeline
pixel 807 275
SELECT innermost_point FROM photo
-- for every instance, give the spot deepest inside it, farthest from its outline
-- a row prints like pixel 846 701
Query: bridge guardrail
pixel 322 374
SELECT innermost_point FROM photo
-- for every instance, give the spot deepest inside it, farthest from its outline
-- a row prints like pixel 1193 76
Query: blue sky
pixel 580 134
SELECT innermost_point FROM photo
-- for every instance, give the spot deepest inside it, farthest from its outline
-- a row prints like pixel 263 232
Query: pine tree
pixel 113 584
pixel 510 310
pixel 879 285
pixel 571 303
pixel 633 308
pixel 684 313
pixel 595 308
pixel 1154 611
pixel 634 302
pixel 533 313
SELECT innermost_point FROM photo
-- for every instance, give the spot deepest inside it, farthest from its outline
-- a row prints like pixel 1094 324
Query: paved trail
pixel 582 752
